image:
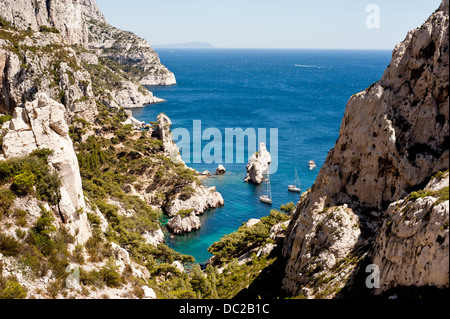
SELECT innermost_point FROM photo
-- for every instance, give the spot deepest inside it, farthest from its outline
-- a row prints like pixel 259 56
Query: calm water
pixel 303 93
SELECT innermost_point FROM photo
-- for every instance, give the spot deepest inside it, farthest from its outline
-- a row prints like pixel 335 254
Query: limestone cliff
pixel 45 46
pixel 41 125
pixel 130 50
pixel 393 138
pixel 67 16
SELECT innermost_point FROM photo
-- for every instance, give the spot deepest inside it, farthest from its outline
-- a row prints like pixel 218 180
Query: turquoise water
pixel 303 93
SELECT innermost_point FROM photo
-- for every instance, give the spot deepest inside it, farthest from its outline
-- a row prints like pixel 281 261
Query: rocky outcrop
pixel 220 170
pixel 258 164
pixel 130 96
pixel 412 248
pixel 41 125
pixel 34 68
pixel 128 49
pixel 200 199
pixel 66 16
pixel 393 137
pixel 184 224
pixel 203 198
pixel 162 132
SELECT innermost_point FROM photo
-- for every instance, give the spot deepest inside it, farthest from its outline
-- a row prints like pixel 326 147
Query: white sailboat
pixel 295 188
pixel 267 198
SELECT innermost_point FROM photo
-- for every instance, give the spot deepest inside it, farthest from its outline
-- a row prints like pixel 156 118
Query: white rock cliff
pixel 393 138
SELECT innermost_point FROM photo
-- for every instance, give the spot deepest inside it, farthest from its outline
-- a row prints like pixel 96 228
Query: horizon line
pixel 243 48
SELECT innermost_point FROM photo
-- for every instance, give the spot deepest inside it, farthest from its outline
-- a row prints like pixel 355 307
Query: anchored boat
pixel 267 198
pixel 312 165
pixel 295 188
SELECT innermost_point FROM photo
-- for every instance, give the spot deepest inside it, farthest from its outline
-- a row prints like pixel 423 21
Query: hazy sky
pixel 269 23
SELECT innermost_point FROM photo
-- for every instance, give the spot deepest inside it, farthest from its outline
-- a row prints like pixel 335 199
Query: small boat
pixel 267 198
pixel 295 188
pixel 312 165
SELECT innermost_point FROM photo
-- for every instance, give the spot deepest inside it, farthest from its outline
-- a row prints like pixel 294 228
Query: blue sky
pixel 319 24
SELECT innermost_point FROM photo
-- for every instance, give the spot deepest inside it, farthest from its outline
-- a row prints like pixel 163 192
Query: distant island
pixel 189 45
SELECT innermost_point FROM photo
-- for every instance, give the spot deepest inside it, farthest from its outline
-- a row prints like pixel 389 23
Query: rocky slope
pixel 81 183
pixel 65 15
pixel 393 138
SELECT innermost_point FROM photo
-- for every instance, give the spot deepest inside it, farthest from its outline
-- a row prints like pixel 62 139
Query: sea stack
pixel 258 164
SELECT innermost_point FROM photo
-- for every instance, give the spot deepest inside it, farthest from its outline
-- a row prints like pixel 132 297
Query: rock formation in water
pixel 184 224
pixel 221 170
pixel 394 137
pixel 258 165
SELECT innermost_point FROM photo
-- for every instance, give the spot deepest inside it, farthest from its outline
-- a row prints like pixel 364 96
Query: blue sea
pixel 302 93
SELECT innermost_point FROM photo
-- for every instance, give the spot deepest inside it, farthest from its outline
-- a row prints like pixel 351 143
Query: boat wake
pixel 307 66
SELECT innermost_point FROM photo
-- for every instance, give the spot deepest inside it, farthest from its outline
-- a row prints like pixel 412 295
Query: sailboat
pixel 267 198
pixel 295 188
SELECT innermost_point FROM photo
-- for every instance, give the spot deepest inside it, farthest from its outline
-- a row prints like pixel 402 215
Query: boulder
pixel 220 170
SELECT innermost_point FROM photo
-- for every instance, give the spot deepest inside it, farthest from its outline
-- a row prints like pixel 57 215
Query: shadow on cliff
pixel 268 284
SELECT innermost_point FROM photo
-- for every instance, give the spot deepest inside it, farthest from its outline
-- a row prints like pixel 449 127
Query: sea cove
pixel 302 93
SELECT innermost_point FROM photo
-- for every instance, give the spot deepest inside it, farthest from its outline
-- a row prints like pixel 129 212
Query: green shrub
pixel 31 171
pixel 110 276
pixel 5 118
pixel 287 208
pixel 185 213
pixel 5 24
pixel 13 290
pixel 246 238
pixel 9 246
pixel 7 198
pixel 44 28
pixel 40 234
pixel 23 183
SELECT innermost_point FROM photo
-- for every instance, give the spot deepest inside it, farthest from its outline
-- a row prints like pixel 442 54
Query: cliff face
pixel 128 49
pixel 41 125
pixel 393 138
pixel 68 50
pixel 65 15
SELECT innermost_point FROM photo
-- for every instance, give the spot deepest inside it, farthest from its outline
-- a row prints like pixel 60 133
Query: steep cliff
pixel 393 138
pixel 66 16
pixel 129 50
pixel 45 46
